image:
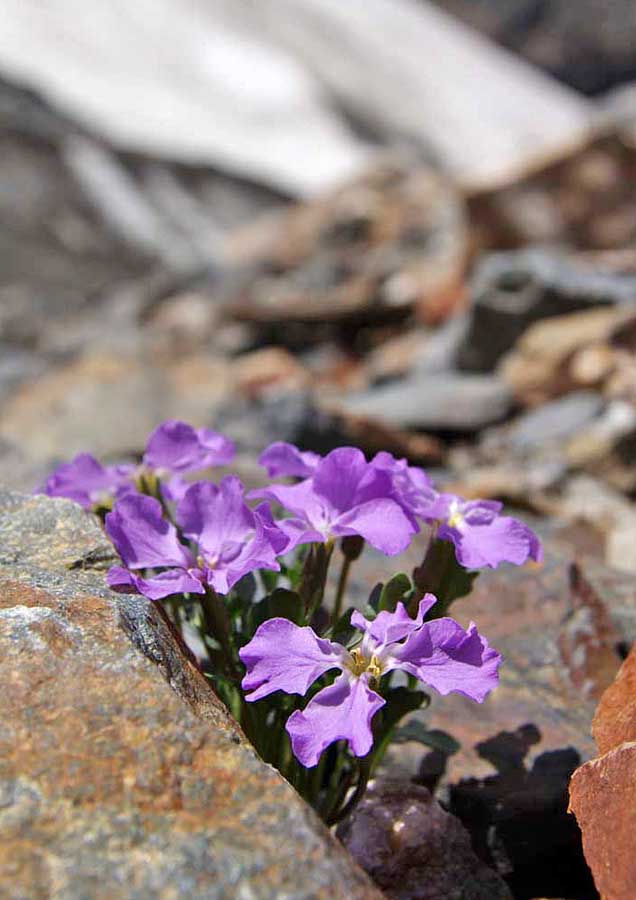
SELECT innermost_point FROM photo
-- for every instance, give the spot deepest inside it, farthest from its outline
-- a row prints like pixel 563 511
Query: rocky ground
pixel 491 338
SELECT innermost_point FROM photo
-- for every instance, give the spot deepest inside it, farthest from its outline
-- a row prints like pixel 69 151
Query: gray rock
pixel 16 366
pixel 121 774
pixel 588 44
pixel 556 420
pixel 512 290
pixel 438 402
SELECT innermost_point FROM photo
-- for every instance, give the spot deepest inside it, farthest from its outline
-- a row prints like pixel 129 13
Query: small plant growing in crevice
pixel 319 687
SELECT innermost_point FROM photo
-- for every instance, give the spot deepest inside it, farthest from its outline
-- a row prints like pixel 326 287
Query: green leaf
pixel 270 579
pixel 397 588
pixel 430 737
pixel 343 631
pixel 374 601
pixel 280 602
pixel 399 702
pixel 442 575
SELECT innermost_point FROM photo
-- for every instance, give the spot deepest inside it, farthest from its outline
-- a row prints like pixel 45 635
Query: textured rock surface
pixel 121 775
pixel 415 850
pixel 603 791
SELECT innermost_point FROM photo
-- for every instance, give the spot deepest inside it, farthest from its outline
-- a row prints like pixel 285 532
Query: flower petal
pixel 300 499
pixel 412 487
pixel 383 523
pixel 277 538
pixel 502 540
pixel 298 532
pixel 480 512
pixel 173 581
pixel 284 657
pixel 339 475
pixel 82 479
pixel 389 627
pixel 216 449
pixel 122 580
pixel 172 445
pixel 283 459
pixel 446 657
pixel 142 537
pixel 341 712
pixel 215 515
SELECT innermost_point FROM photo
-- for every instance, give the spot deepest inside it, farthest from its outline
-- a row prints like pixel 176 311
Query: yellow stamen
pixel 360 664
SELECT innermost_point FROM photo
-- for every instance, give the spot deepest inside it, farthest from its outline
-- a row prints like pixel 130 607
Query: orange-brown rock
pixel 603 799
pixel 615 719
pixel 121 774
pixel 603 791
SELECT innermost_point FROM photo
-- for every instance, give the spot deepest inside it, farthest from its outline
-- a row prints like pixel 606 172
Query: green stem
pixel 364 773
pixel 217 623
pixel 314 578
pixel 340 590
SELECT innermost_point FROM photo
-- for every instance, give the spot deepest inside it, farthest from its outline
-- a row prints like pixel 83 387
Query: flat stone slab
pixel 121 774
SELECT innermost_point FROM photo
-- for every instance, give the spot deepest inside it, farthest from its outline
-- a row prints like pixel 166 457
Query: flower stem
pixel 314 578
pixel 340 590
pixel 217 623
pixel 364 773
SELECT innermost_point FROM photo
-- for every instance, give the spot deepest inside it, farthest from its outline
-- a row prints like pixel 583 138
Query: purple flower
pixel 285 459
pixel 481 536
pixel 232 540
pixel 284 657
pixel 412 488
pixel 87 482
pixel 346 495
pixel 175 448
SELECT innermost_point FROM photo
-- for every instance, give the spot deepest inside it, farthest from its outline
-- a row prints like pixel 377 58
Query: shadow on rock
pixel 518 818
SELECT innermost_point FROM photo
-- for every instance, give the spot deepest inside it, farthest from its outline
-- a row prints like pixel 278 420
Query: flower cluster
pixel 481 536
pixel 203 549
pixel 174 449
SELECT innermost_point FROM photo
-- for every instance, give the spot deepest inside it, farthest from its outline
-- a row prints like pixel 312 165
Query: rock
pixel 121 774
pixel 584 201
pixel 603 791
pixel 615 719
pixel 253 423
pixel 554 422
pixel 538 366
pixel 107 405
pixel 375 249
pixel 16 366
pixel 414 850
pixel 397 356
pixel 588 638
pixel 444 402
pixel 587 51
pixel 587 500
pixel 269 369
pixel 603 799
pixel 511 291
pixel 604 447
